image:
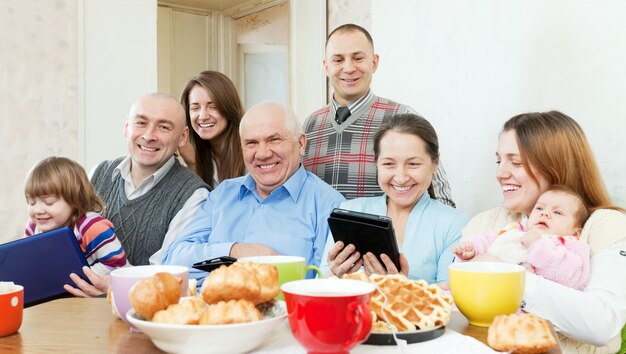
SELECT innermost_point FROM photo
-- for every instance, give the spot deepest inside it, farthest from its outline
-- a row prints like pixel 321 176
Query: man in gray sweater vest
pixel 149 196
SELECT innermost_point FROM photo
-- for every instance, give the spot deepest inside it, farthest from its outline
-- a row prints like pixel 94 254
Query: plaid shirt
pixel 343 155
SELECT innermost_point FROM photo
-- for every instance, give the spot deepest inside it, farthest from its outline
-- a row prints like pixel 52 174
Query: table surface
pixel 88 326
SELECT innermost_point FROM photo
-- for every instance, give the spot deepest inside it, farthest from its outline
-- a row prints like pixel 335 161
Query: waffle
pixel 410 304
pixel 520 334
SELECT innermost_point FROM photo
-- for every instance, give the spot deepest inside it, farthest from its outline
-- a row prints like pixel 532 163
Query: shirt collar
pixel 124 169
pixel 293 185
pixel 354 105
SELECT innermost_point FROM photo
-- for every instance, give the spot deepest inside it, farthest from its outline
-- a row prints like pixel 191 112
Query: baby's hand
pixel 529 238
pixel 464 251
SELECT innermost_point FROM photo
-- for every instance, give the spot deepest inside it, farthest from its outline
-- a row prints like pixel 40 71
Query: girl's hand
pixel 342 260
pixel 100 285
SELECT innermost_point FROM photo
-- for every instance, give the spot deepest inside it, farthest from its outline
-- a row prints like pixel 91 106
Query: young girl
pixel 59 194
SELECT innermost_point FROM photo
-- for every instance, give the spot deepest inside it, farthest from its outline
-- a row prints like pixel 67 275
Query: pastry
pixel 150 295
pixel 521 334
pixel 233 311
pixel 257 283
pixel 186 312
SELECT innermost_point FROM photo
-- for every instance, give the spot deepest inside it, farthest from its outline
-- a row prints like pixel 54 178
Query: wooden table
pixel 76 325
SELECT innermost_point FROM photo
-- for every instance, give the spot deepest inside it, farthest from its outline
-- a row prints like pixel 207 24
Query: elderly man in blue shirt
pixel 277 208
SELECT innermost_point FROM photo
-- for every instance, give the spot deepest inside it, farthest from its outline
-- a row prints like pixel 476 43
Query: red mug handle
pixel 360 314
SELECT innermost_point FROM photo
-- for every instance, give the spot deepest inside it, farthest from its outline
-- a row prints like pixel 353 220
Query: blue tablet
pixel 42 264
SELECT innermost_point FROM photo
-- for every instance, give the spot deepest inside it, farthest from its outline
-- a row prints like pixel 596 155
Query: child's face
pixel 49 212
pixel 554 214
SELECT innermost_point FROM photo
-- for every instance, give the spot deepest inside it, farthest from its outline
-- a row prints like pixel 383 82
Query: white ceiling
pixel 215 5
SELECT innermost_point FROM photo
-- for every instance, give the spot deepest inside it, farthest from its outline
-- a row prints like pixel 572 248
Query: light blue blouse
pixel 431 231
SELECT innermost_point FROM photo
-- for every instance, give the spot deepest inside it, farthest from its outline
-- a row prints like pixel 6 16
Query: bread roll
pixel 150 295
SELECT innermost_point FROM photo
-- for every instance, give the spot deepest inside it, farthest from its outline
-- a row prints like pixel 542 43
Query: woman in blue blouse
pixel 406 151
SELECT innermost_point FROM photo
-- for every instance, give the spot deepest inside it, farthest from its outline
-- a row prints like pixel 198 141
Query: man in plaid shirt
pixel 339 145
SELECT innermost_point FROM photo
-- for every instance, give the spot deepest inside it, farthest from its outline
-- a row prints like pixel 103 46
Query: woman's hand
pixel 342 260
pixel 100 285
pixel 373 266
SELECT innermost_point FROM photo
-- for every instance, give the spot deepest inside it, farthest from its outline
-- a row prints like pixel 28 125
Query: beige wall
pixel 69 70
pixel 38 96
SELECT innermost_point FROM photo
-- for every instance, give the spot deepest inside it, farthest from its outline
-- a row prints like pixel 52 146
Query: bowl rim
pixel 358 287
pixel 486 267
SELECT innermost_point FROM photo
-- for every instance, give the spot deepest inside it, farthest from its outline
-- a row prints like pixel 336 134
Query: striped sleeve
pixel 29 230
pixel 99 243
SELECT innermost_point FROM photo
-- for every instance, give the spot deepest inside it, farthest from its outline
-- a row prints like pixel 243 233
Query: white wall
pixel 469 65
pixel 119 65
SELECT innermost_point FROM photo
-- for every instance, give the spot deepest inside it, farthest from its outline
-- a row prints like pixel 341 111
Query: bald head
pixel 155 129
pixel 274 111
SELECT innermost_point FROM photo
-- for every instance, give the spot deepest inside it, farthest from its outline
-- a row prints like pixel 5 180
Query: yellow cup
pixel 483 290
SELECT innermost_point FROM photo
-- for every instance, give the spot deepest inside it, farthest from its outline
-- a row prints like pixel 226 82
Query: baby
pixel 549 246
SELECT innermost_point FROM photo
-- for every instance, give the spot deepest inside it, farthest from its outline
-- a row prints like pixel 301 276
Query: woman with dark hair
pixel 213 110
pixel 406 152
pixel 536 150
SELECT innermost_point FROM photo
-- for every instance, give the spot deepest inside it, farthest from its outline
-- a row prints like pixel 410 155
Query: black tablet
pixel 367 232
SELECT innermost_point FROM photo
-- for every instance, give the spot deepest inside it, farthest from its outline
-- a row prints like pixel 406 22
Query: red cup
pixel 329 315
pixel 11 309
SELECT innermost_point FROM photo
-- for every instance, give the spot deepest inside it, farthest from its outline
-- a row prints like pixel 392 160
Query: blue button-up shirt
pixel 292 220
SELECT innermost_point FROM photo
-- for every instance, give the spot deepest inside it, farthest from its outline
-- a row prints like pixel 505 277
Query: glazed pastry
pixel 186 312
pixel 257 283
pixel 150 295
pixel 233 311
pixel 520 334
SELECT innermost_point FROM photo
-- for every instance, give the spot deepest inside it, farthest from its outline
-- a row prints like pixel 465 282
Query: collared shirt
pixel 356 104
pixel 292 220
pixel 431 230
pixel 184 215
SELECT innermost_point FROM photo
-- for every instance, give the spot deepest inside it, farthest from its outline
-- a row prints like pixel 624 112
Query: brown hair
pixel 409 123
pixel 62 177
pixel 556 147
pixel 583 210
pixel 351 27
pixel 226 100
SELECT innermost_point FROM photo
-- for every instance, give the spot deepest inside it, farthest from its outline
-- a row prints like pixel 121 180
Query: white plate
pixel 226 339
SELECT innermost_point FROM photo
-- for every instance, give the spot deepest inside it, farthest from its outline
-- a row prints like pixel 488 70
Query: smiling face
pixel 519 190
pixel 49 212
pixel 405 169
pixel 555 214
pixel 350 63
pixel 271 152
pixel 154 130
pixel 206 119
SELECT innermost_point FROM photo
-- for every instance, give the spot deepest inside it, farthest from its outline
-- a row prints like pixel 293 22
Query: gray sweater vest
pixel 141 223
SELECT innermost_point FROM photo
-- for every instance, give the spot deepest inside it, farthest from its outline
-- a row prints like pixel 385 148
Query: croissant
pixel 257 283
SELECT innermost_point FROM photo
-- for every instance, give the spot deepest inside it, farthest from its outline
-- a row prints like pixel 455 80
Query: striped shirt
pixel 97 240
pixel 343 155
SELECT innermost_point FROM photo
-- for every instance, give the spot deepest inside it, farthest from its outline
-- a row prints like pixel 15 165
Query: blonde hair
pixel 62 177
pixel 557 148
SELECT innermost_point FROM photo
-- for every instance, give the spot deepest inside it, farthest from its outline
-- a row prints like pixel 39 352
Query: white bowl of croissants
pixel 235 310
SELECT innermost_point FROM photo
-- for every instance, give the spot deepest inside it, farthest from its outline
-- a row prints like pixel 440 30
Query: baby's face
pixel 555 214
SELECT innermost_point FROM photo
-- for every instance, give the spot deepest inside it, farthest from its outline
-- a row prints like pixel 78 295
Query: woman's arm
pixel 595 315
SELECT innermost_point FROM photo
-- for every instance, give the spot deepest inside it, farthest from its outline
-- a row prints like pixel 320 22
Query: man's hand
pixel 240 250
pixel 101 284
